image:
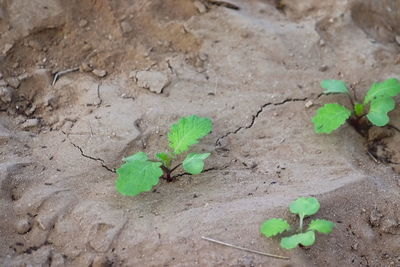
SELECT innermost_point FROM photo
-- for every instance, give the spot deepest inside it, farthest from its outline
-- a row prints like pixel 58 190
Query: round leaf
pixel 322 226
pixel 306 239
pixel 330 117
pixel 274 226
pixel 304 206
pixel 194 163
pixel 137 175
pixel 334 87
pixel 378 111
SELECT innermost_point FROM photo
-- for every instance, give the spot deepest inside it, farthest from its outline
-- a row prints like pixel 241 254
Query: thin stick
pixel 245 249
pixel 60 73
pixel 372 156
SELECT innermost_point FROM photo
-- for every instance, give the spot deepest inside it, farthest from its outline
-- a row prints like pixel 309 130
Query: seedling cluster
pixel 303 207
pixel 377 103
pixel 139 173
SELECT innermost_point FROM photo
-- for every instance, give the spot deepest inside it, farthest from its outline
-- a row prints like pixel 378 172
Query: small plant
pixel 377 103
pixel 139 174
pixel 303 207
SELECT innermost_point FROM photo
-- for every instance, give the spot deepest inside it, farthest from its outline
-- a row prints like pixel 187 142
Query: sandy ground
pixel 254 67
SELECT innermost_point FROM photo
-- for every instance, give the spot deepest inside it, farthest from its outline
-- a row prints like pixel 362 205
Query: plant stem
pixel 301 223
pixel 174 168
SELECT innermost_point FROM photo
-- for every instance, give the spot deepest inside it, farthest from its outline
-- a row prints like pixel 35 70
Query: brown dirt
pixel 251 66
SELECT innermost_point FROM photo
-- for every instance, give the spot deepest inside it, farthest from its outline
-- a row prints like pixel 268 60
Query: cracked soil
pixel 254 68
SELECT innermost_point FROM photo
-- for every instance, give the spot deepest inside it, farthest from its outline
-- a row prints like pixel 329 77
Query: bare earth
pixel 254 67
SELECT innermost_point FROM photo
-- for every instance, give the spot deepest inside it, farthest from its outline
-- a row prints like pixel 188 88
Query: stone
pixel 397 38
pixel 13 82
pixel 6 94
pixel 308 104
pixel 83 23
pixel 200 7
pixel 126 27
pixel 3 83
pixel 155 81
pixel 24 225
pixel 7 48
pixel 100 261
pixel 99 73
pixel 85 67
pixel 30 123
pixel 35 45
pixel 390 226
pixel 323 68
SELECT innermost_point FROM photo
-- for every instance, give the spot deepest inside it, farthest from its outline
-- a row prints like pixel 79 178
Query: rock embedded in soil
pixel 99 73
pixel 155 81
pixel 83 23
pixel 13 82
pixel 200 6
pixel 30 123
pixel 6 94
pixel 126 27
pixel 23 226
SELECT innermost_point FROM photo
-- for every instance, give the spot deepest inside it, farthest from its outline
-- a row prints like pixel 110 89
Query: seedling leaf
pixel 334 87
pixel 194 163
pixel 306 239
pixel 330 117
pixel 137 156
pixel 387 88
pixel 274 226
pixel 379 109
pixel 187 132
pixel 322 226
pixel 137 175
pixel 165 159
pixel 358 109
pixel 304 206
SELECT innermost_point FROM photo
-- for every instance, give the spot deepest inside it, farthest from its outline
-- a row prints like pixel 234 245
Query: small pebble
pixel 126 27
pixel 99 73
pixel 30 123
pixel 83 23
pixel 85 67
pixel 23 226
pixel 200 6
pixel 13 82
pixel 323 68
pixel 309 103
pixel 6 94
pixel 397 38
pixel 7 48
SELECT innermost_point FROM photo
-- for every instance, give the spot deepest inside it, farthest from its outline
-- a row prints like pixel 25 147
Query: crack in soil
pixel 102 162
pixel 255 116
pixel 206 170
pixel 93 158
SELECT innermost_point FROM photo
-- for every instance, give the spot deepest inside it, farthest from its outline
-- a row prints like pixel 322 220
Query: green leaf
pixel 187 132
pixel 304 206
pixel 322 226
pixel 378 111
pixel 334 87
pixel 358 109
pixel 330 117
pixel 137 156
pixel 194 163
pixel 137 175
pixel 165 159
pixel 306 239
pixel 387 88
pixel 274 226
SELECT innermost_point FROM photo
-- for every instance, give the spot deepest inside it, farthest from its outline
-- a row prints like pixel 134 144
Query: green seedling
pixel 303 207
pixel 139 173
pixel 377 103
